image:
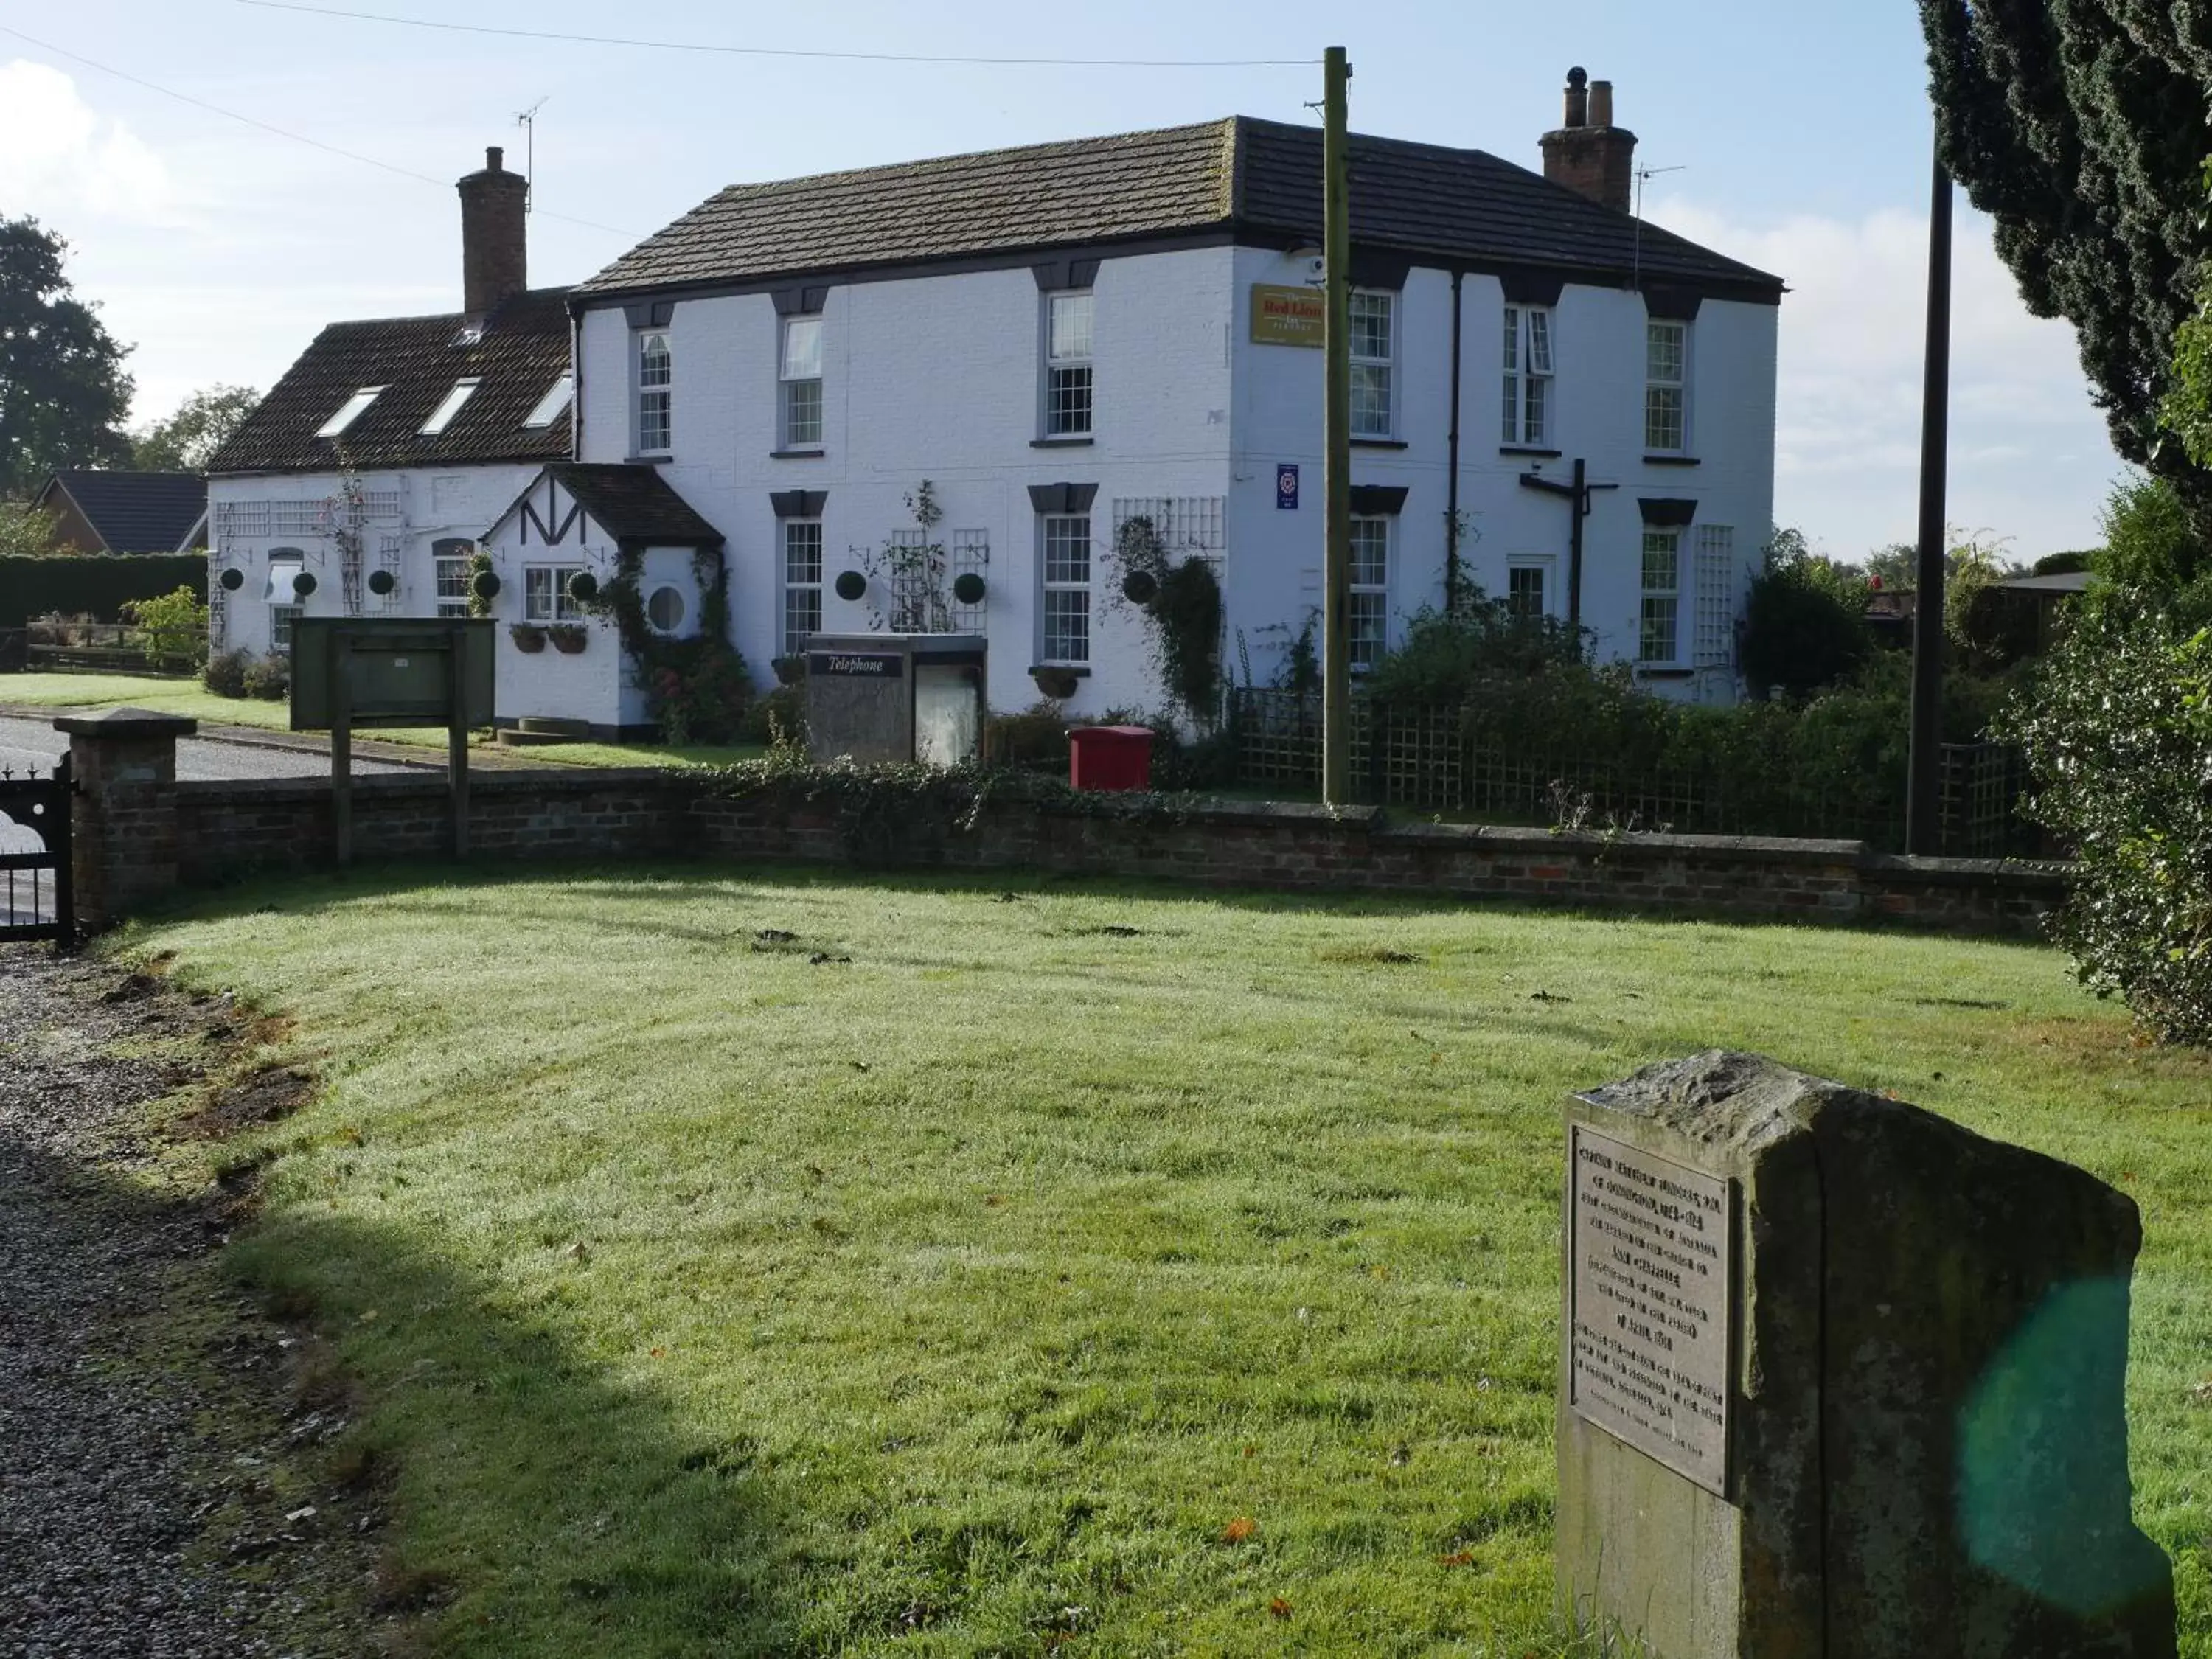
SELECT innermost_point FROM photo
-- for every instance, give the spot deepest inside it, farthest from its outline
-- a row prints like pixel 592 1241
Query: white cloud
pixel 61 159
pixel 2029 454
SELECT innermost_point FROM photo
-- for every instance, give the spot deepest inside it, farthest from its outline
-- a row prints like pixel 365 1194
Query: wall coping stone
pixel 122 724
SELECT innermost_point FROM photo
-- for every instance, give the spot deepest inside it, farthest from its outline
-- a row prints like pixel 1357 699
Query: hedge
pixel 97 585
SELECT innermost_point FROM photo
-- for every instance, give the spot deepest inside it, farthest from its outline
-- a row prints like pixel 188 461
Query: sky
pixel 217 248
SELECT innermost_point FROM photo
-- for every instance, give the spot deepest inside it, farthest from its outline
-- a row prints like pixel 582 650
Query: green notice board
pixel 393 672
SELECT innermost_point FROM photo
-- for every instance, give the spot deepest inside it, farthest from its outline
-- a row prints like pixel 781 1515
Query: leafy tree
pixel 2151 542
pixel 25 532
pixel 186 441
pixel 2118 734
pixel 2080 126
pixel 63 391
pixel 1805 621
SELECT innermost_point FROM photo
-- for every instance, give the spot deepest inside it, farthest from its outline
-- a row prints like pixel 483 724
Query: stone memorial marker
pixel 1841 1380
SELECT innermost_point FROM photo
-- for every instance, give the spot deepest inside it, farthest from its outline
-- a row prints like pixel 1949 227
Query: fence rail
pixel 90 648
pixel 1431 760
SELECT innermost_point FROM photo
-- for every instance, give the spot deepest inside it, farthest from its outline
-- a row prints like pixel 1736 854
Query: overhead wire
pixel 951 58
pixel 278 132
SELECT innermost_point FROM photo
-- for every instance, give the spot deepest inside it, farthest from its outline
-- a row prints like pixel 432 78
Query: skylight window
pixel 349 412
pixel 550 406
pixel 442 416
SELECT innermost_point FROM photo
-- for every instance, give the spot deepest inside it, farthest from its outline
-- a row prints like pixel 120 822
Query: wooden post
pixel 1336 467
pixel 341 755
pixel 456 746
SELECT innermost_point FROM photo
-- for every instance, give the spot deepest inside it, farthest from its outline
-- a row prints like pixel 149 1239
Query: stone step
pixel 547 725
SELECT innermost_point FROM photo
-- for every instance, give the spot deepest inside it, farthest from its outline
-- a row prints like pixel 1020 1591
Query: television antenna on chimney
pixel 527 120
pixel 1644 176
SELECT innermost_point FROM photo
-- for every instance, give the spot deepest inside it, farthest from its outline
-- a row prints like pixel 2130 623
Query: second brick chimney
pixel 495 246
pixel 1589 154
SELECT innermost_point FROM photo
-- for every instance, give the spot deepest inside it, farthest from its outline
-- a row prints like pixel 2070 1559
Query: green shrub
pixel 96 585
pixel 225 676
pixel 2118 733
pixel 176 624
pixel 778 717
pixel 1804 623
pixel 268 678
pixel 699 691
pixel 1034 739
pixel 1448 657
pixel 2149 541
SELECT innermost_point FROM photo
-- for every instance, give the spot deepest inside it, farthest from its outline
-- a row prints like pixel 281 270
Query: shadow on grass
pixel 543 1505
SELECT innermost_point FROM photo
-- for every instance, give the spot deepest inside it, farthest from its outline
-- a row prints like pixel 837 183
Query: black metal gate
pixel 35 900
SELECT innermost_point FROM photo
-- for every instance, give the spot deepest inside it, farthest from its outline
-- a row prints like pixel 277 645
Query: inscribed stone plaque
pixel 1653 1244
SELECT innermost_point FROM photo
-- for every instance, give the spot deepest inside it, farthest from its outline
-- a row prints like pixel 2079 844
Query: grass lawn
pixel 1024 1284
pixel 188 697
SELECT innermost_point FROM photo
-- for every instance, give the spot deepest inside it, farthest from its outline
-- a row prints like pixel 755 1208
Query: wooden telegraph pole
pixel 1923 821
pixel 1336 468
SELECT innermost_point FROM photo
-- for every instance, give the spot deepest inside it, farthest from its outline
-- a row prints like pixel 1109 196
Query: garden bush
pixel 2118 736
pixel 268 678
pixel 176 622
pixel 1804 622
pixel 780 717
pixel 225 675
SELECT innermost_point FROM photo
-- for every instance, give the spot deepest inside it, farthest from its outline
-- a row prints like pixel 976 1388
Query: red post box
pixel 1110 757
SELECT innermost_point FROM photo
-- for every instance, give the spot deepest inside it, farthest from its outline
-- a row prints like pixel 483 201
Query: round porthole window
pixel 665 610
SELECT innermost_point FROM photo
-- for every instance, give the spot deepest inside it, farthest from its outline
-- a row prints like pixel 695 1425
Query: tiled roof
pixel 1251 178
pixel 136 512
pixel 521 351
pixel 634 504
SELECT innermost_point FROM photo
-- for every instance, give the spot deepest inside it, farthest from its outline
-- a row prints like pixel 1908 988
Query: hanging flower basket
pixel 568 638
pixel 527 636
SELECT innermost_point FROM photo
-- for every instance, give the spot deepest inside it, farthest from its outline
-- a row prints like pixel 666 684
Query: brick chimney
pixel 494 249
pixel 1589 154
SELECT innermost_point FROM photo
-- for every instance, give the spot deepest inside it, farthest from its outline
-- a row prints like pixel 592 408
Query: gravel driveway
pixel 157 1481
pixel 27 745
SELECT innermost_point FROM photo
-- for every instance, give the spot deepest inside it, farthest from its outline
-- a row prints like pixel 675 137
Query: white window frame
pixel 450 406
pixel 800 424
pixel 281 618
pixel 1716 580
pixel 1374 376
pixel 553 405
pixel 1541 568
pixel 1666 380
pixel 1070 363
pixel 799 587
pixel 1368 612
pixel 656 390
pixel 1659 612
pixel 349 411
pixel 452 569
pixel 545 594
pixel 1058 535
pixel 1531 348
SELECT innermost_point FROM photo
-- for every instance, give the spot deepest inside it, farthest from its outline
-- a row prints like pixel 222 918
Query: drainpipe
pixel 1451 483
pixel 576 385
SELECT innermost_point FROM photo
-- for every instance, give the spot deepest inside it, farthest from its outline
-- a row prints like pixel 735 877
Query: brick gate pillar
pixel 122 823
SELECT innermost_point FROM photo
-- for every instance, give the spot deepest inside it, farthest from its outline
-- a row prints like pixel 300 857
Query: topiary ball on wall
pixel 232 579
pixel 583 587
pixel 968 588
pixel 485 584
pixel 851 585
pixel 382 582
pixel 1140 588
pixel 303 584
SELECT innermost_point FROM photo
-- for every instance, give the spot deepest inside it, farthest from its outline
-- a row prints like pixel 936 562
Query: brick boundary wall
pixel 228 832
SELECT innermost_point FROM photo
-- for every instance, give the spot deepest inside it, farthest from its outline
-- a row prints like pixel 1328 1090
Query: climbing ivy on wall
pixel 697 687
pixel 1181 600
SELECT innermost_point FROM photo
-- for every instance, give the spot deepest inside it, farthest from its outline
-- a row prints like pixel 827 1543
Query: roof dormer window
pixel 442 416
pixel 552 406
pixel 348 412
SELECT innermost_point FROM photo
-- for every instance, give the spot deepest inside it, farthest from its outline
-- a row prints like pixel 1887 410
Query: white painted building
pixel 1061 338
pixel 1057 340
pixel 374 467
